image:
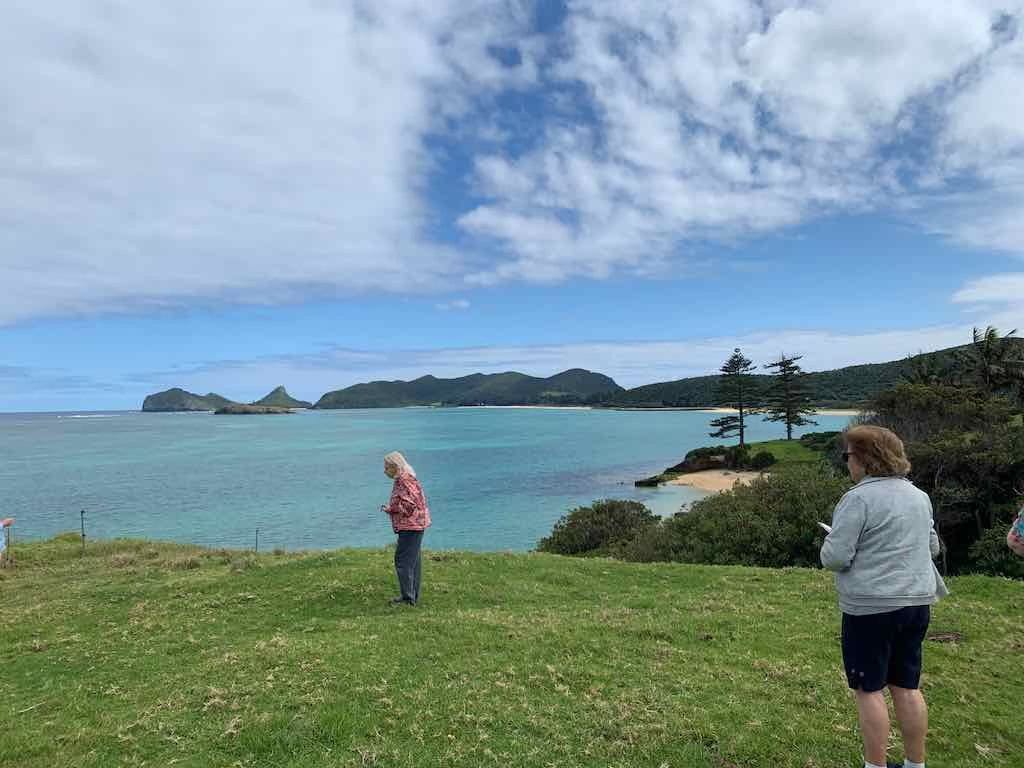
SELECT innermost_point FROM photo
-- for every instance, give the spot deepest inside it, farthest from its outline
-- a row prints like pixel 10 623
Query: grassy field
pixel 152 654
pixel 786 452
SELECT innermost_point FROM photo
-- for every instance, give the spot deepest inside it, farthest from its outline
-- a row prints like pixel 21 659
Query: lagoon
pixel 495 478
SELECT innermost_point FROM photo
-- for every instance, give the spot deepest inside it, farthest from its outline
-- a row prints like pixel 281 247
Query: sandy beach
pixel 714 480
pixel 821 411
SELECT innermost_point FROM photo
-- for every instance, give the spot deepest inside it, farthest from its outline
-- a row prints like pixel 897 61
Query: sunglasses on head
pixel 846 455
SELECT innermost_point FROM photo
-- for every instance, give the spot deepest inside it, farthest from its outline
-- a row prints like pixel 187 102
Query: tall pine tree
pixel 734 391
pixel 788 399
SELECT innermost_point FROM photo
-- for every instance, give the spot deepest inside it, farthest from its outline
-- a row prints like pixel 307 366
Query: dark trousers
pixel 407 564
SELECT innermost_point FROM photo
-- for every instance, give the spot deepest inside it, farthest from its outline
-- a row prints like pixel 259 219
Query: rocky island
pixel 239 409
pixel 279 398
pixel 177 399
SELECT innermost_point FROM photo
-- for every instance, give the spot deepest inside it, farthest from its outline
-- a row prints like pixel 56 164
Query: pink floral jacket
pixel 408 506
pixel 1015 538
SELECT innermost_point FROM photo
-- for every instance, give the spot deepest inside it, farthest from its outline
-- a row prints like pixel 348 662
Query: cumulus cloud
pixel 719 119
pixel 269 152
pixel 151 154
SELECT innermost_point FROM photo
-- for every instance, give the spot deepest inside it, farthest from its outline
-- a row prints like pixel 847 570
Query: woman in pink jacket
pixel 1015 538
pixel 410 517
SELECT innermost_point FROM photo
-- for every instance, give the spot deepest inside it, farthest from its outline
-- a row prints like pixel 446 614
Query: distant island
pixel 573 387
pixel 847 387
pixel 279 398
pixel 178 400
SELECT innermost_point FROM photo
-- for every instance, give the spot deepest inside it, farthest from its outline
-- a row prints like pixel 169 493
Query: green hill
pixel 138 653
pixel 567 388
pixel 177 399
pixel 279 398
pixel 843 387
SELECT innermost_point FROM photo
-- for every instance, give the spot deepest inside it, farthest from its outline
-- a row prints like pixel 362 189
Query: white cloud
pixel 268 152
pixel 997 298
pixel 721 118
pixel 151 154
pixel 845 71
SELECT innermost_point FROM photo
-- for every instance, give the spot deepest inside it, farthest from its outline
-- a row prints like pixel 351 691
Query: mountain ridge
pixel 849 386
pixel 571 387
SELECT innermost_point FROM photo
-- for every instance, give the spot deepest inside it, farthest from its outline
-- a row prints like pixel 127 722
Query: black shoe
pixel 396 601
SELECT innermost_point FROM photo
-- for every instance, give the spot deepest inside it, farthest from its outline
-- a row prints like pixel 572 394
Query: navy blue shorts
pixel 885 648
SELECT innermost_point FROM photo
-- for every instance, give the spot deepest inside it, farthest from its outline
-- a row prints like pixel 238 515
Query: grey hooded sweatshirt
pixel 881 547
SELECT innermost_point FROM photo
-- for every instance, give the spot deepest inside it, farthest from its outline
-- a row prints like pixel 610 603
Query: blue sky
pixel 230 198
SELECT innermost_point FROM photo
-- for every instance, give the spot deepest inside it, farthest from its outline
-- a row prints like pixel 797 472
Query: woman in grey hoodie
pixel 882 546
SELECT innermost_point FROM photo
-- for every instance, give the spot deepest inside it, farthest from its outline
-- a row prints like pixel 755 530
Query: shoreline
pixel 714 480
pixel 532 407
pixel 818 411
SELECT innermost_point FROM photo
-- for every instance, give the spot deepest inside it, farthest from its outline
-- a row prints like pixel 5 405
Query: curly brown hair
pixel 879 450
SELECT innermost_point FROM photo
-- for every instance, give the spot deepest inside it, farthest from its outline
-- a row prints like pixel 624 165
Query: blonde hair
pixel 398 461
pixel 879 450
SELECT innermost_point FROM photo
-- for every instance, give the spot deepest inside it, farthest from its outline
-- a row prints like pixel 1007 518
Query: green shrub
pixel 823 442
pixel 989 554
pixel 600 529
pixel 713 457
pixel 772 522
pixel 761 460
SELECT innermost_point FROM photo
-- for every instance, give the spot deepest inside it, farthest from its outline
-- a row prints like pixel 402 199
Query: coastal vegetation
pixel 734 392
pixel 811 448
pixel 237 409
pixel 849 387
pixel 963 435
pixel 140 653
pixel 788 400
pixel 572 387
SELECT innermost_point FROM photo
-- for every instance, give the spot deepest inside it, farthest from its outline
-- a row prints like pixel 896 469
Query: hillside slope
pixel 177 399
pixel 152 653
pixel 511 388
pixel 279 398
pixel 843 387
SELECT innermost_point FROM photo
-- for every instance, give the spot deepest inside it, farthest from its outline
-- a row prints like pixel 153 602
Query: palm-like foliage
pixel 994 361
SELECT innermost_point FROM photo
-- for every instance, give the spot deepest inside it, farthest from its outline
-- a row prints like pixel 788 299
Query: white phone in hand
pixel 825 527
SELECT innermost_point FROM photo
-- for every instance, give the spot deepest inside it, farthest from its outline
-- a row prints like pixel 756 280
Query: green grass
pixel 786 452
pixel 153 654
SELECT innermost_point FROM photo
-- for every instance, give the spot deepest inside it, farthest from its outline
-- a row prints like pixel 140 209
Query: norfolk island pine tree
pixel 733 390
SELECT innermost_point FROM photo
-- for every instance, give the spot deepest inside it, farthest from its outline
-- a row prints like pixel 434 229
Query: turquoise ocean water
pixel 495 478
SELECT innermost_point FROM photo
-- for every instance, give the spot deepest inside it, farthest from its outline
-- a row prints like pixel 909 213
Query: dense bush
pixel 721 457
pixel 760 460
pixel 822 442
pixel 966 448
pixel 772 522
pixel 917 412
pixel 713 457
pixel 829 445
pixel 600 529
pixel 989 554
